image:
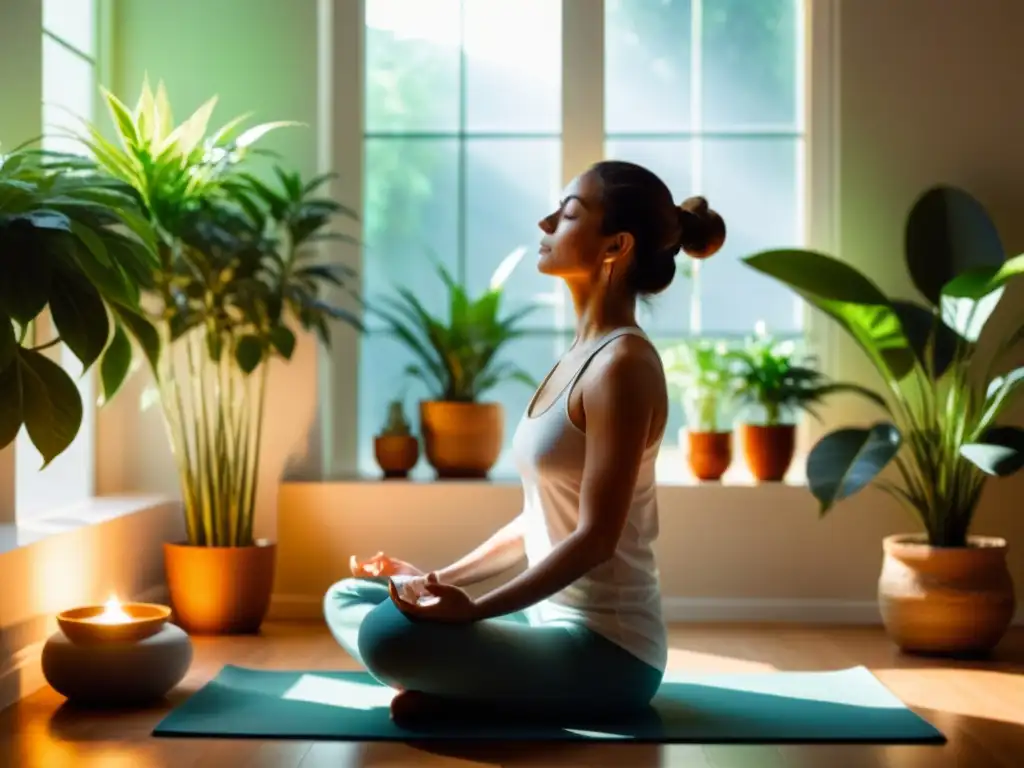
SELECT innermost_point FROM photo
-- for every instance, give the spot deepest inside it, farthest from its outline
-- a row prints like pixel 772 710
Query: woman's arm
pixel 619 419
pixel 499 553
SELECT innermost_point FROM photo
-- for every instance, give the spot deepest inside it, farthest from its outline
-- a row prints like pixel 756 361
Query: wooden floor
pixel 978 705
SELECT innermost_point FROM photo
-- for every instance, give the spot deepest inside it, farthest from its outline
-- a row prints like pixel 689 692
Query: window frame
pixel 341 134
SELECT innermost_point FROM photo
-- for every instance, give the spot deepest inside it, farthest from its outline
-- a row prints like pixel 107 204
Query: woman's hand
pixel 445 603
pixel 381 565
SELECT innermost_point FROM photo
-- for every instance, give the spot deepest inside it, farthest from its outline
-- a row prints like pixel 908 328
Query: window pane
pixel 74 21
pixel 647 66
pixel 669 312
pixel 412 65
pixel 380 380
pixel 754 185
pixel 68 92
pixel 513 65
pixel 411 217
pixel 510 186
pixel 750 57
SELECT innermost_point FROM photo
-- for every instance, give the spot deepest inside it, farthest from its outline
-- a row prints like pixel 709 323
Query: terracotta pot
pixel 462 440
pixel 945 600
pixel 220 590
pixel 768 450
pixel 710 454
pixel 396 454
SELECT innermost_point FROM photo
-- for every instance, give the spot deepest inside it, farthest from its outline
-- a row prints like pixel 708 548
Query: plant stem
pixel 51 343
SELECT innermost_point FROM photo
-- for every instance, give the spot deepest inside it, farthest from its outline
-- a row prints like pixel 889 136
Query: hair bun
pixel 701 230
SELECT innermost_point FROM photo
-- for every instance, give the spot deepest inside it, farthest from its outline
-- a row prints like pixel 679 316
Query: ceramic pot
pixel 462 440
pixel 710 454
pixel 396 454
pixel 945 600
pixel 768 450
pixel 220 590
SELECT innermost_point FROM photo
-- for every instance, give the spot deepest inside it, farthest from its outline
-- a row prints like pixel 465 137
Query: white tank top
pixel 621 598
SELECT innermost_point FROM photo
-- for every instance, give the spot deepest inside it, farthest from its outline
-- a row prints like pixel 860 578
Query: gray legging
pixel 504 664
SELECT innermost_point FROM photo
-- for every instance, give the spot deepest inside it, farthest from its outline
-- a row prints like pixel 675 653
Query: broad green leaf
pixel 51 404
pixel 26 273
pixel 92 241
pixel 122 119
pixel 981 281
pixel 8 341
pixel 44 219
pixel 115 364
pixel 10 403
pixel 249 353
pixel 257 132
pixel 998 451
pixel 79 315
pixel 968 317
pixel 933 342
pixel 143 332
pixel 845 461
pixel 283 340
pixel 1001 392
pixel 948 232
pixel 848 297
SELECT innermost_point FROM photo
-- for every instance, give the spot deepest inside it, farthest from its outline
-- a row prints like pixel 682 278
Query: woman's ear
pixel 619 246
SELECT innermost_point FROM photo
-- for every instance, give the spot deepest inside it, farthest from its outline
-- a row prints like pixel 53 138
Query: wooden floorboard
pixel 978 705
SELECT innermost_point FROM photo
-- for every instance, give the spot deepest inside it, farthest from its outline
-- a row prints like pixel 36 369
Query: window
pixel 465 136
pixel 69 92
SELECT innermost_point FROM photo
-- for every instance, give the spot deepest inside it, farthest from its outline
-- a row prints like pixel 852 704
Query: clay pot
pixel 396 454
pixel 220 590
pixel 768 451
pixel 462 440
pixel 945 600
pixel 710 454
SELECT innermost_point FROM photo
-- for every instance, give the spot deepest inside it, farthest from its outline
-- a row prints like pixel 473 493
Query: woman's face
pixel 572 246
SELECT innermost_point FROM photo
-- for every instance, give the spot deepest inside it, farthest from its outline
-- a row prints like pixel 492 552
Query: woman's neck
pixel 600 308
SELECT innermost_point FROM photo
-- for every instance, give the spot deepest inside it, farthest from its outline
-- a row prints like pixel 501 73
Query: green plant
pixel 74 252
pixel 396 425
pixel 701 372
pixel 457 358
pixel 942 431
pixel 772 378
pixel 238 272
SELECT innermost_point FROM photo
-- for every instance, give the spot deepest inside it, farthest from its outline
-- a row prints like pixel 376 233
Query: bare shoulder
pixel 630 364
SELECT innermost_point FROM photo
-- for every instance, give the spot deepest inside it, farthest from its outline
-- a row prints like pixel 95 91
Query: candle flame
pixel 113 613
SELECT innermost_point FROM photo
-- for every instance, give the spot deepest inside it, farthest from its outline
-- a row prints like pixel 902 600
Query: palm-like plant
pixel 458 357
pixel 941 430
pixel 770 376
pixel 237 271
pixel 75 248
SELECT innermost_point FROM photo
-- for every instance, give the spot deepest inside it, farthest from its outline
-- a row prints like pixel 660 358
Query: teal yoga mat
pixel 847 706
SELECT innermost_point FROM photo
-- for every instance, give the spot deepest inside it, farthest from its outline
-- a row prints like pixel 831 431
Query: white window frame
pixel 341 112
pixel 19 475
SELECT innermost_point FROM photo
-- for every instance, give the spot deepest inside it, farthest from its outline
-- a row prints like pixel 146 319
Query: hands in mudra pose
pixel 415 593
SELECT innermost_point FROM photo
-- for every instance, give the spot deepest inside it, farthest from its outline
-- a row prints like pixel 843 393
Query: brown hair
pixel 636 201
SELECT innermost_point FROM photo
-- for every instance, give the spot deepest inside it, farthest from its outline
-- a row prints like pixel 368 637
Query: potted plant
pixel 458 361
pixel 238 274
pixel 74 252
pixel 775 386
pixel 396 448
pixel 943 590
pixel 701 372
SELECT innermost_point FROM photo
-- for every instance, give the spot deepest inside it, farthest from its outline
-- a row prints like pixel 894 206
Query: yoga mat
pixel 847 706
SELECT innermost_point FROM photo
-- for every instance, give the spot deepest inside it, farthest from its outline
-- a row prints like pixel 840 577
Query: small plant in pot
pixel 775 386
pixel 940 438
pixel 396 448
pixel 458 359
pixel 238 275
pixel 701 373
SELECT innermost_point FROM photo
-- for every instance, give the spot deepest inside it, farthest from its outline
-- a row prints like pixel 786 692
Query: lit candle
pixel 113 613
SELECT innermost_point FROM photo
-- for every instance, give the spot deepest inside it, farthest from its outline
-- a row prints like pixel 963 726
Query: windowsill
pixel 91 512
pixel 672 471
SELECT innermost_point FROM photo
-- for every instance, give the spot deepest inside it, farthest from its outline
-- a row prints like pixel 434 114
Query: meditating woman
pixel 580 630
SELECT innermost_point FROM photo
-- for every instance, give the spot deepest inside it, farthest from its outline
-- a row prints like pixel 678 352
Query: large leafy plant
pixel 74 253
pixel 942 430
pixel 238 273
pixel 458 356
pixel 772 378
pixel 701 372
